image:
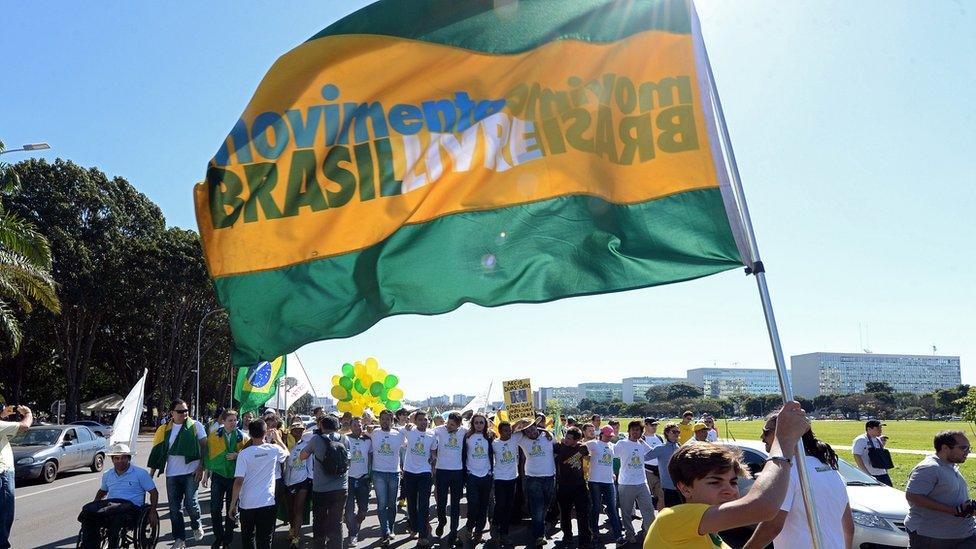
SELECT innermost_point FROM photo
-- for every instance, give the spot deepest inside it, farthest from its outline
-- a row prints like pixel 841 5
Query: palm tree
pixel 25 266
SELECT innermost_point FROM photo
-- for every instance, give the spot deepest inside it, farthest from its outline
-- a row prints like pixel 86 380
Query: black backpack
pixel 336 460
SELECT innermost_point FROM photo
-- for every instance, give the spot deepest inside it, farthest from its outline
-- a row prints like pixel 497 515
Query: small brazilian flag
pixel 256 384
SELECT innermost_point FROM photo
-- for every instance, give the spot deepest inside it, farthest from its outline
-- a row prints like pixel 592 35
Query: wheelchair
pixel 137 534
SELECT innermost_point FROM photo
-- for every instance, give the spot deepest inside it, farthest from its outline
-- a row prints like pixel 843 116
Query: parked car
pixel 99 429
pixel 879 511
pixel 43 451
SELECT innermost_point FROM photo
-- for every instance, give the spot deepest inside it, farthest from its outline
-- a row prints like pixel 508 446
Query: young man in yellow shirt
pixel 686 429
pixel 707 477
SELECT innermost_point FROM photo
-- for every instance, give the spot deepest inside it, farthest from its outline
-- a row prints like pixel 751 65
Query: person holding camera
pixel 869 452
pixel 12 421
pixel 940 513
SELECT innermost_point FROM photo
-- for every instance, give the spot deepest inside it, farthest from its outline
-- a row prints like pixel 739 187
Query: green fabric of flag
pixel 256 384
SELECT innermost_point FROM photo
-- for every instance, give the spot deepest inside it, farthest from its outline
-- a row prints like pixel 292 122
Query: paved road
pixel 47 514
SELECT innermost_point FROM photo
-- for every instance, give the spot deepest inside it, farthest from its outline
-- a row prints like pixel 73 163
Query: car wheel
pixel 98 463
pixel 50 472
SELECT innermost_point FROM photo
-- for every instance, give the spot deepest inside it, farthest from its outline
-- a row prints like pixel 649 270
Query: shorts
pixel 299 486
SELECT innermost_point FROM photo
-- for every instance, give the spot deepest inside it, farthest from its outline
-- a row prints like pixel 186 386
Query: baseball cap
pixel 650 421
pixel 873 423
pixel 699 426
pixel 608 430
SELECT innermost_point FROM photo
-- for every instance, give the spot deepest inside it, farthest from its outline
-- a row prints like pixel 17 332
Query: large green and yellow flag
pixel 421 154
pixel 256 384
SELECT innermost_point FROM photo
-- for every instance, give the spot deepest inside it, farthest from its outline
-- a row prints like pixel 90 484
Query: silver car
pixel 43 451
pixel 879 510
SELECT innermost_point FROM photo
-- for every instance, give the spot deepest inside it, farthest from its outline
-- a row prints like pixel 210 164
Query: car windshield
pixel 854 476
pixel 34 437
pixel 84 423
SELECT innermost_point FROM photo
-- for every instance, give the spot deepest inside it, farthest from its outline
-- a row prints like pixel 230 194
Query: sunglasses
pixel 182 411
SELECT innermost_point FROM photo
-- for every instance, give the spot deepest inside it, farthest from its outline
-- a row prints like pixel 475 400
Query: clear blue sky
pixel 853 123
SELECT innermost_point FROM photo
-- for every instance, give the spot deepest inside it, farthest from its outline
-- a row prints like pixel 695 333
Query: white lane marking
pixel 56 488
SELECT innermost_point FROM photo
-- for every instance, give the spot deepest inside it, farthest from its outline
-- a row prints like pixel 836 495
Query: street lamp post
pixel 29 147
pixel 196 402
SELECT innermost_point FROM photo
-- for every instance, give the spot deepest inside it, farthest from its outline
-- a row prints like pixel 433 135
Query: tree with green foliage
pixel 673 391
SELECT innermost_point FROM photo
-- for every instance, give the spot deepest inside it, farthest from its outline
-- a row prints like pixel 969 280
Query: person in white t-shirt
pixel 862 446
pixel 385 446
pixel 505 467
pixel 632 482
pixel 254 486
pixel 540 473
pixel 712 435
pixel 450 473
pixel 420 455
pixel 477 461
pixel 603 491
pixel 178 448
pixel 788 529
pixel 9 428
pixel 357 497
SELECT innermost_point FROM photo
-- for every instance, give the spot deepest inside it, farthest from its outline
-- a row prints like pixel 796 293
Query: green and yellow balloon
pixel 365 385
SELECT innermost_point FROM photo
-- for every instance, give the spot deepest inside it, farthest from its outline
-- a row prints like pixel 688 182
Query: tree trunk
pixel 76 335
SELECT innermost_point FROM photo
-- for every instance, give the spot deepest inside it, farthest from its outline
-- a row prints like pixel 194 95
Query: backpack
pixel 336 460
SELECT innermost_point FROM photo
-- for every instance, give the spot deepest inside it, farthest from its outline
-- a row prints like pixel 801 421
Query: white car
pixel 879 510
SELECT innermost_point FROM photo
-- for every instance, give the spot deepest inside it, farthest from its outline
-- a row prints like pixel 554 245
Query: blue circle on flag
pixel 260 374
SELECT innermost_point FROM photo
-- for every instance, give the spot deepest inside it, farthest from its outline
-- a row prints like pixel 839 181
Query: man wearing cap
pixel 651 466
pixel 700 431
pixel 603 491
pixel 118 500
pixel 862 446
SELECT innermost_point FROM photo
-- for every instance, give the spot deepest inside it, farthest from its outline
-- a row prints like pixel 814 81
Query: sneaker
pixel 425 542
pixel 540 542
pixel 198 533
pixel 385 541
pixel 179 544
pixel 352 542
pixel 440 529
pixel 464 534
pixel 620 541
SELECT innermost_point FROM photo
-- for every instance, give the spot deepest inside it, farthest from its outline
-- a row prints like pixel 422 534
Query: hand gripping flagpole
pixel 736 204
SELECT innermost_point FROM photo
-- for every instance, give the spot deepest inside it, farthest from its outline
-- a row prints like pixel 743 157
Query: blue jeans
pixel 181 491
pixel 453 482
pixel 416 488
pixel 479 495
pixel 6 506
pixel 386 485
pixel 604 493
pixel 539 491
pixel 220 493
pixel 357 502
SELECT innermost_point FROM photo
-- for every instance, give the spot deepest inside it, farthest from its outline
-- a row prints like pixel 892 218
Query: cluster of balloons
pixel 365 385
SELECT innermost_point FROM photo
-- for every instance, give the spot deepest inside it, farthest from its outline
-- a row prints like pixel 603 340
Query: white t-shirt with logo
pixel 297 469
pixel 177 465
pixel 601 461
pixel 7 429
pixel 257 466
pixel 861 447
pixel 506 459
pixel 652 442
pixel 631 455
pixel 419 445
pixel 539 461
pixel 832 501
pixel 477 458
pixel 449 448
pixel 386 450
pixel 359 449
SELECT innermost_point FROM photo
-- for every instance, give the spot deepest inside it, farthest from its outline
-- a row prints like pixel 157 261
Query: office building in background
pixel 634 389
pixel 730 382
pixel 817 374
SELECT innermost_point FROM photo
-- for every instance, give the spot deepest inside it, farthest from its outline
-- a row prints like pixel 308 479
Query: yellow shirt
pixel 685 432
pixel 677 527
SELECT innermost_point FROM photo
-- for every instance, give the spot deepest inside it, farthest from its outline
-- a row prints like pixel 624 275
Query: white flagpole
pixel 759 271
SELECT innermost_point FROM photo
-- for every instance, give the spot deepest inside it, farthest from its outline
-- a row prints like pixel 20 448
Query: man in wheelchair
pixel 119 501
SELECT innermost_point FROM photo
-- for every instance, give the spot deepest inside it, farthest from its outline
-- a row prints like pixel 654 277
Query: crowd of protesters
pixel 562 477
